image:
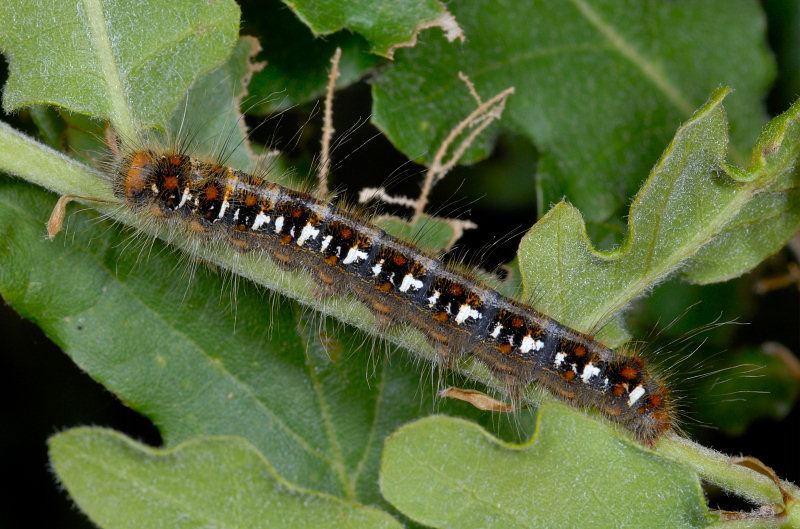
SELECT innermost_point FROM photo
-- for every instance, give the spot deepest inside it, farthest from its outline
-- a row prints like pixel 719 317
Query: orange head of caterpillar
pixel 146 179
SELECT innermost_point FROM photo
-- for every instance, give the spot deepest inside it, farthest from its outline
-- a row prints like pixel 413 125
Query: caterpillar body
pixel 400 284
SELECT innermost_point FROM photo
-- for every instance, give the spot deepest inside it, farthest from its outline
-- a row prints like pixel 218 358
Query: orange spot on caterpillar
pixel 171 182
pixel 331 260
pixel 663 420
pixel 619 390
pixel 399 260
pixel 504 348
pixel 325 278
pixel 212 192
pixel 238 242
pixel 440 316
pixel 296 212
pixel 286 239
pixel 380 307
pixel 241 227
pixel 654 401
pixel 629 372
pixel 566 393
pixel 386 286
pixel 346 233
pixel 250 200
pixel 580 351
pixel 456 290
pixel 137 179
pixel 569 376
pixel 175 160
pixel 282 257
pixel 517 322
pixel 441 339
pixel 156 211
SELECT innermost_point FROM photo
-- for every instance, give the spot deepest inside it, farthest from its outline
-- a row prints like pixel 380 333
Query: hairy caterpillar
pixel 399 283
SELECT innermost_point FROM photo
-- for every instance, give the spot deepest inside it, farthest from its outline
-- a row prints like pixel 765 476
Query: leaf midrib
pixel 102 46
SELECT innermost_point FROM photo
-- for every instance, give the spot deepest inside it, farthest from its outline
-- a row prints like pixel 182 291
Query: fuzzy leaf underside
pixel 600 86
pixel 206 482
pixel 579 469
pixel 98 59
pixel 691 205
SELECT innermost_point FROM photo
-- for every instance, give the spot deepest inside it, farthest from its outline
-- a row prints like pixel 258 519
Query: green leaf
pixel 210 111
pixel 386 25
pixel 206 482
pixel 286 81
pixel 600 86
pixel 769 219
pixel 574 472
pixel 95 58
pixel 687 204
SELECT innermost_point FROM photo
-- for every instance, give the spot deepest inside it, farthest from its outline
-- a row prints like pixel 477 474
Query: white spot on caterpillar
pixel 409 282
pixel 635 395
pixel 309 232
pixel 224 207
pixel 353 255
pixel 377 268
pixel 529 343
pixel 236 215
pixel 261 219
pixel 291 232
pixel 154 188
pixel 496 332
pixel 325 242
pixel 466 311
pixel 278 224
pixel 434 298
pixel 559 359
pixel 589 371
pixel 186 196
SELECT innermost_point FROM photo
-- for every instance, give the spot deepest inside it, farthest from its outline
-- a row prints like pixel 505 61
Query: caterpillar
pixel 400 284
